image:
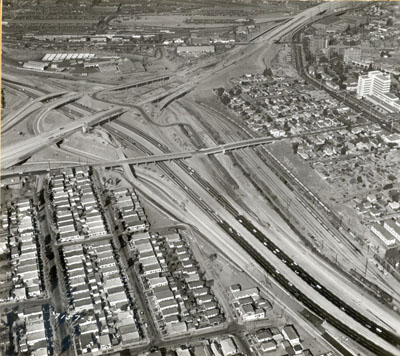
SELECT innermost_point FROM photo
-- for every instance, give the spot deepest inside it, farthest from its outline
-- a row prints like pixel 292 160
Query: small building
pixel 195 49
pixel 290 334
pixel 384 235
pixel 228 347
pixel 38 66
pixel 268 346
pixel 393 228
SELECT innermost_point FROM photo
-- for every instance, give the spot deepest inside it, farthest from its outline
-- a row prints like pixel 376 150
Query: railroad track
pixel 382 332
pixel 372 326
pixel 268 267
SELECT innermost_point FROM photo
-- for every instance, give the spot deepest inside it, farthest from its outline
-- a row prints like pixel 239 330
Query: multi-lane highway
pixel 135 84
pixel 20 151
pixel 10 121
pixel 266 265
pixel 224 202
pixel 344 307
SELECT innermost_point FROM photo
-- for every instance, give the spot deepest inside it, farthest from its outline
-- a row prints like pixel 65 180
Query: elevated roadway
pixel 168 95
pixel 171 156
pixel 166 155
pixel 10 121
pixel 54 105
pixel 19 152
pixel 298 20
pixel 58 134
pixel 178 93
pixel 138 83
pixel 369 327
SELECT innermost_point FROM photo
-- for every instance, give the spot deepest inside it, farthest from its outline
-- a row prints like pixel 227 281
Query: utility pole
pixel 366 266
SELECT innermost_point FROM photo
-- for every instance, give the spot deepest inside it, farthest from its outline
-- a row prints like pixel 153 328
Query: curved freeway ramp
pixel 11 120
pixel 21 151
pixel 51 106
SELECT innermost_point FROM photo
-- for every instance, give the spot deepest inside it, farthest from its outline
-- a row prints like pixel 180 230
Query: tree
pixel 295 147
pixel 396 196
pixel 267 72
pixel 225 100
pixel 220 91
pixel 323 59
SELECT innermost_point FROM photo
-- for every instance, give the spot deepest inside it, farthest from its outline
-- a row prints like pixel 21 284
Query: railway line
pixel 382 332
pixel 268 267
pixel 377 329
pixel 353 103
pixel 303 194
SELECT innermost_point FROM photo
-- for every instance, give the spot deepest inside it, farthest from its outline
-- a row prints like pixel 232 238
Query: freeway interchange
pixel 266 265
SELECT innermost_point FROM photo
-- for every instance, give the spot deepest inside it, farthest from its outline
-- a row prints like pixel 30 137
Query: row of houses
pixel 29 332
pixel 100 297
pixel 181 298
pixel 129 210
pixel 23 244
pixel 76 206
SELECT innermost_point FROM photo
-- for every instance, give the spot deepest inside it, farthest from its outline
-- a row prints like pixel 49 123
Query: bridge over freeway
pixel 187 154
pixel 150 159
pixel 54 105
pixel 11 120
pixel 137 83
pixel 21 151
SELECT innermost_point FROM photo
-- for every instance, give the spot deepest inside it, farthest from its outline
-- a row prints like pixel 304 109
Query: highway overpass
pixel 168 95
pixel 21 154
pixel 187 154
pixel 20 151
pixel 137 83
pixel 10 121
pixel 54 105
pixel 180 92
pixel 288 26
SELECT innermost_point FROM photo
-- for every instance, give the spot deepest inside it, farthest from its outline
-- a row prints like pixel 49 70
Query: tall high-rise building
pixel 374 83
pixel 375 87
pixel 364 86
pixel 352 54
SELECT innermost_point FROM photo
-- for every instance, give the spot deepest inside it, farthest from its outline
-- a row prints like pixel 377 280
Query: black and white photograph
pixel 200 178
